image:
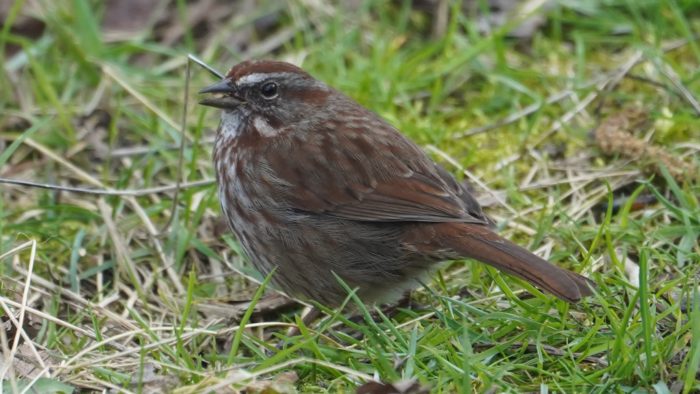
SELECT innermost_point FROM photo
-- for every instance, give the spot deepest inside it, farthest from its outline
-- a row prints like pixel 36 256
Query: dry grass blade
pixel 122 253
pixel 22 310
pixel 109 192
pixel 672 76
pixel 50 318
pixel 27 340
pixel 514 117
pixel 204 65
pixel 152 231
pixel 180 153
pixel 109 71
pixel 52 288
pixel 472 178
pixel 135 352
pixel 238 379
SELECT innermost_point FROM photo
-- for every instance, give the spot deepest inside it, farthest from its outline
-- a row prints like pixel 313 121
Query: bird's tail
pixel 478 242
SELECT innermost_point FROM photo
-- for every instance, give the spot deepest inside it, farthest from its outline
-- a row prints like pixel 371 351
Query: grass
pixel 109 296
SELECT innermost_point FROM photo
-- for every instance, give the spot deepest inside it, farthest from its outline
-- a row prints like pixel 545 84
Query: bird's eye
pixel 269 90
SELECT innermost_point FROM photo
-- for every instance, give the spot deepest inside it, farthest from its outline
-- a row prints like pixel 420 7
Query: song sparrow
pixel 315 185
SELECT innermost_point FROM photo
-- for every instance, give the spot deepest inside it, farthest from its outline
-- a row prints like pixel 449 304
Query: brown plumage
pixel 313 184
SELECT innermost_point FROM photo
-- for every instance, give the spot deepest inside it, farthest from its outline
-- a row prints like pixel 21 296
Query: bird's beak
pixel 227 98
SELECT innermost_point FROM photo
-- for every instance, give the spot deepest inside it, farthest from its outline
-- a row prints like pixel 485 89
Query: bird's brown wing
pixel 378 177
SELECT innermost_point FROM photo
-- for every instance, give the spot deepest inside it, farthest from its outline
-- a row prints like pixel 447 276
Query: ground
pixel 576 123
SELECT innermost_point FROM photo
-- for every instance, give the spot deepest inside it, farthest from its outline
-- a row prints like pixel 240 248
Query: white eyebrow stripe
pixel 254 78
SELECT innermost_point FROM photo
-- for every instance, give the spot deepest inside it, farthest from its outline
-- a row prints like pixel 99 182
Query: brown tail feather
pixel 480 243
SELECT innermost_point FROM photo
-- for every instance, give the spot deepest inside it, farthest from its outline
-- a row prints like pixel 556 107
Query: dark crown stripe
pixel 262 67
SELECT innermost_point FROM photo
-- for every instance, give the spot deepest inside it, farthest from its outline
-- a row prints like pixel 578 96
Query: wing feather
pixel 368 173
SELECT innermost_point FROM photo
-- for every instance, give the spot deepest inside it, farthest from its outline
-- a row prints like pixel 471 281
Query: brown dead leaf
pixel 25 363
pixel 409 386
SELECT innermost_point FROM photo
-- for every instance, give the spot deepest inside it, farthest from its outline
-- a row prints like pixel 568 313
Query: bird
pixel 323 191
